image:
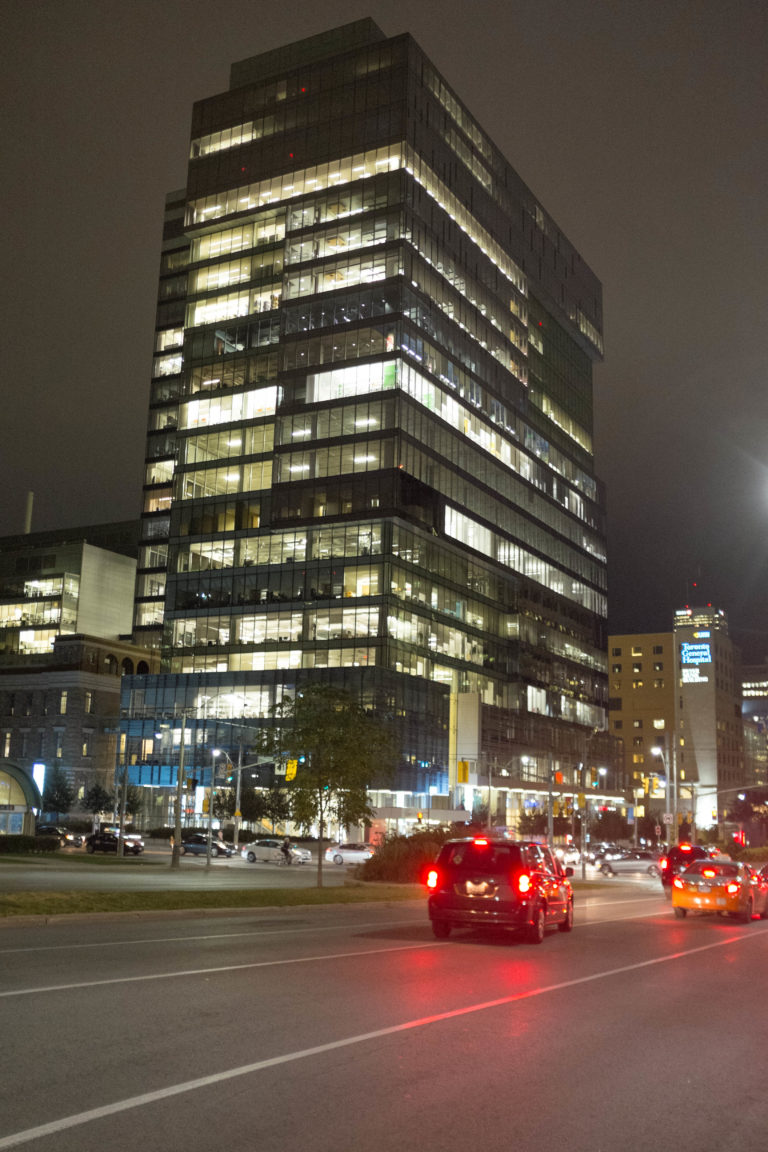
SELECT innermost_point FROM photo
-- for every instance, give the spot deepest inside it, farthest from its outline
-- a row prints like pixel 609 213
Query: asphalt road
pixel 317 1029
pixel 152 870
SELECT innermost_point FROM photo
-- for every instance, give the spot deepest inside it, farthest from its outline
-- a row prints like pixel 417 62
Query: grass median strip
pixel 70 902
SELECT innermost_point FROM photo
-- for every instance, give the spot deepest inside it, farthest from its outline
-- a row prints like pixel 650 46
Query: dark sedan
pixel 63 835
pixel 108 842
pixel 197 845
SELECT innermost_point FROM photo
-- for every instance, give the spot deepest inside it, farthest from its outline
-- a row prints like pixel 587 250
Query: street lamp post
pixel 670 791
pixel 215 752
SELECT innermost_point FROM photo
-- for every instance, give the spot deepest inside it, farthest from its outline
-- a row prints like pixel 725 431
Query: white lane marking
pixel 212 971
pixel 585 904
pixel 286 931
pixel 78 1119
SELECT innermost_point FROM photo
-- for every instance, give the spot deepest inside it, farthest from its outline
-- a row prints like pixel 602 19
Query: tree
pixel 277 805
pixel 58 793
pixel 97 799
pixel 134 799
pixel 223 803
pixel 252 805
pixel 339 747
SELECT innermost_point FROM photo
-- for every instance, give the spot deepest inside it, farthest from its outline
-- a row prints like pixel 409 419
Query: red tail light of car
pixel 678 883
pixel 733 889
pixel 663 863
pixel 524 883
pixel 433 878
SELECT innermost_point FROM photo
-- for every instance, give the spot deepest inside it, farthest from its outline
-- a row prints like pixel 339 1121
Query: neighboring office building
pixel 62 709
pixel 681 690
pixel 65 581
pixel 642 711
pixel 66 602
pixel 754 711
pixel 369 457
pixel 708 667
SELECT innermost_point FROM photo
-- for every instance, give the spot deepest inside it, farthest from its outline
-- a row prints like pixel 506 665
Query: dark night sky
pixel 641 127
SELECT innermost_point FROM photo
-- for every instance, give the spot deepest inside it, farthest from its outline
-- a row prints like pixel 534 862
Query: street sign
pixel 668 818
pixel 239 814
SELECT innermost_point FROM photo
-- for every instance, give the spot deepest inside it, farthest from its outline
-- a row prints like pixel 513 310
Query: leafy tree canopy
pixel 58 793
pixel 97 799
pixel 339 748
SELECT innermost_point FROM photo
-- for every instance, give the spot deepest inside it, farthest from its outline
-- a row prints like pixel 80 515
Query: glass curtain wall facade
pixel 370 440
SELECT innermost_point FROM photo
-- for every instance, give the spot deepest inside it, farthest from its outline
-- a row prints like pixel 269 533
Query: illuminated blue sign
pixel 695 654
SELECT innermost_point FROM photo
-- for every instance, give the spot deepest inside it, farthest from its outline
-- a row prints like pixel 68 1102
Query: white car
pixel 271 851
pixel 349 853
pixel 568 854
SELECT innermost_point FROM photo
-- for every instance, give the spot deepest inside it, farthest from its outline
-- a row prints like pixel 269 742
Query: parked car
pixel 64 836
pixel 108 841
pixel 349 853
pixel 270 851
pixel 196 844
pixel 495 883
pixel 724 886
pixel 641 862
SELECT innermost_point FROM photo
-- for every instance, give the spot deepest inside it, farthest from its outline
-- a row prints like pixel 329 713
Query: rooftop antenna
pixel 28 516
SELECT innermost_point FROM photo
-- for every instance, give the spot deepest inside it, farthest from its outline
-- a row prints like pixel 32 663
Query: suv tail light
pixel 433 878
pixel 663 863
pixel 524 883
pixel 732 889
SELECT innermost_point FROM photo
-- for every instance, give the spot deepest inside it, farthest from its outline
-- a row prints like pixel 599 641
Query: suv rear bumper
pixel 511 916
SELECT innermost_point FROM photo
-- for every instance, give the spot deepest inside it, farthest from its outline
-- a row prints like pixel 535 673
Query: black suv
pixel 676 859
pixel 486 881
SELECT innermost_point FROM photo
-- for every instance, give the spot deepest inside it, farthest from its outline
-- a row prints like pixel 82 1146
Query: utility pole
pixel 550 815
pixel 238 791
pixel 176 852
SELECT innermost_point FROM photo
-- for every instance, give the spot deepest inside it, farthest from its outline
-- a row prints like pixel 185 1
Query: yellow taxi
pixel 723 886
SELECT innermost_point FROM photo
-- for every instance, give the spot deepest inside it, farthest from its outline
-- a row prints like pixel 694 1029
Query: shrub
pixel 402 859
pixel 14 845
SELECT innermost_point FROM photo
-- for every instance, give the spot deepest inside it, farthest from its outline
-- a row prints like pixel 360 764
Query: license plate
pixel 481 889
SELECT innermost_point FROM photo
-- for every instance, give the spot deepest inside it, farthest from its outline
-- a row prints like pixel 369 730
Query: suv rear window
pixel 471 857
pixel 711 868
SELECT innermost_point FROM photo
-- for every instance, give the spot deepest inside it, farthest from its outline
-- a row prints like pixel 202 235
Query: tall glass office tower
pixel 369 457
